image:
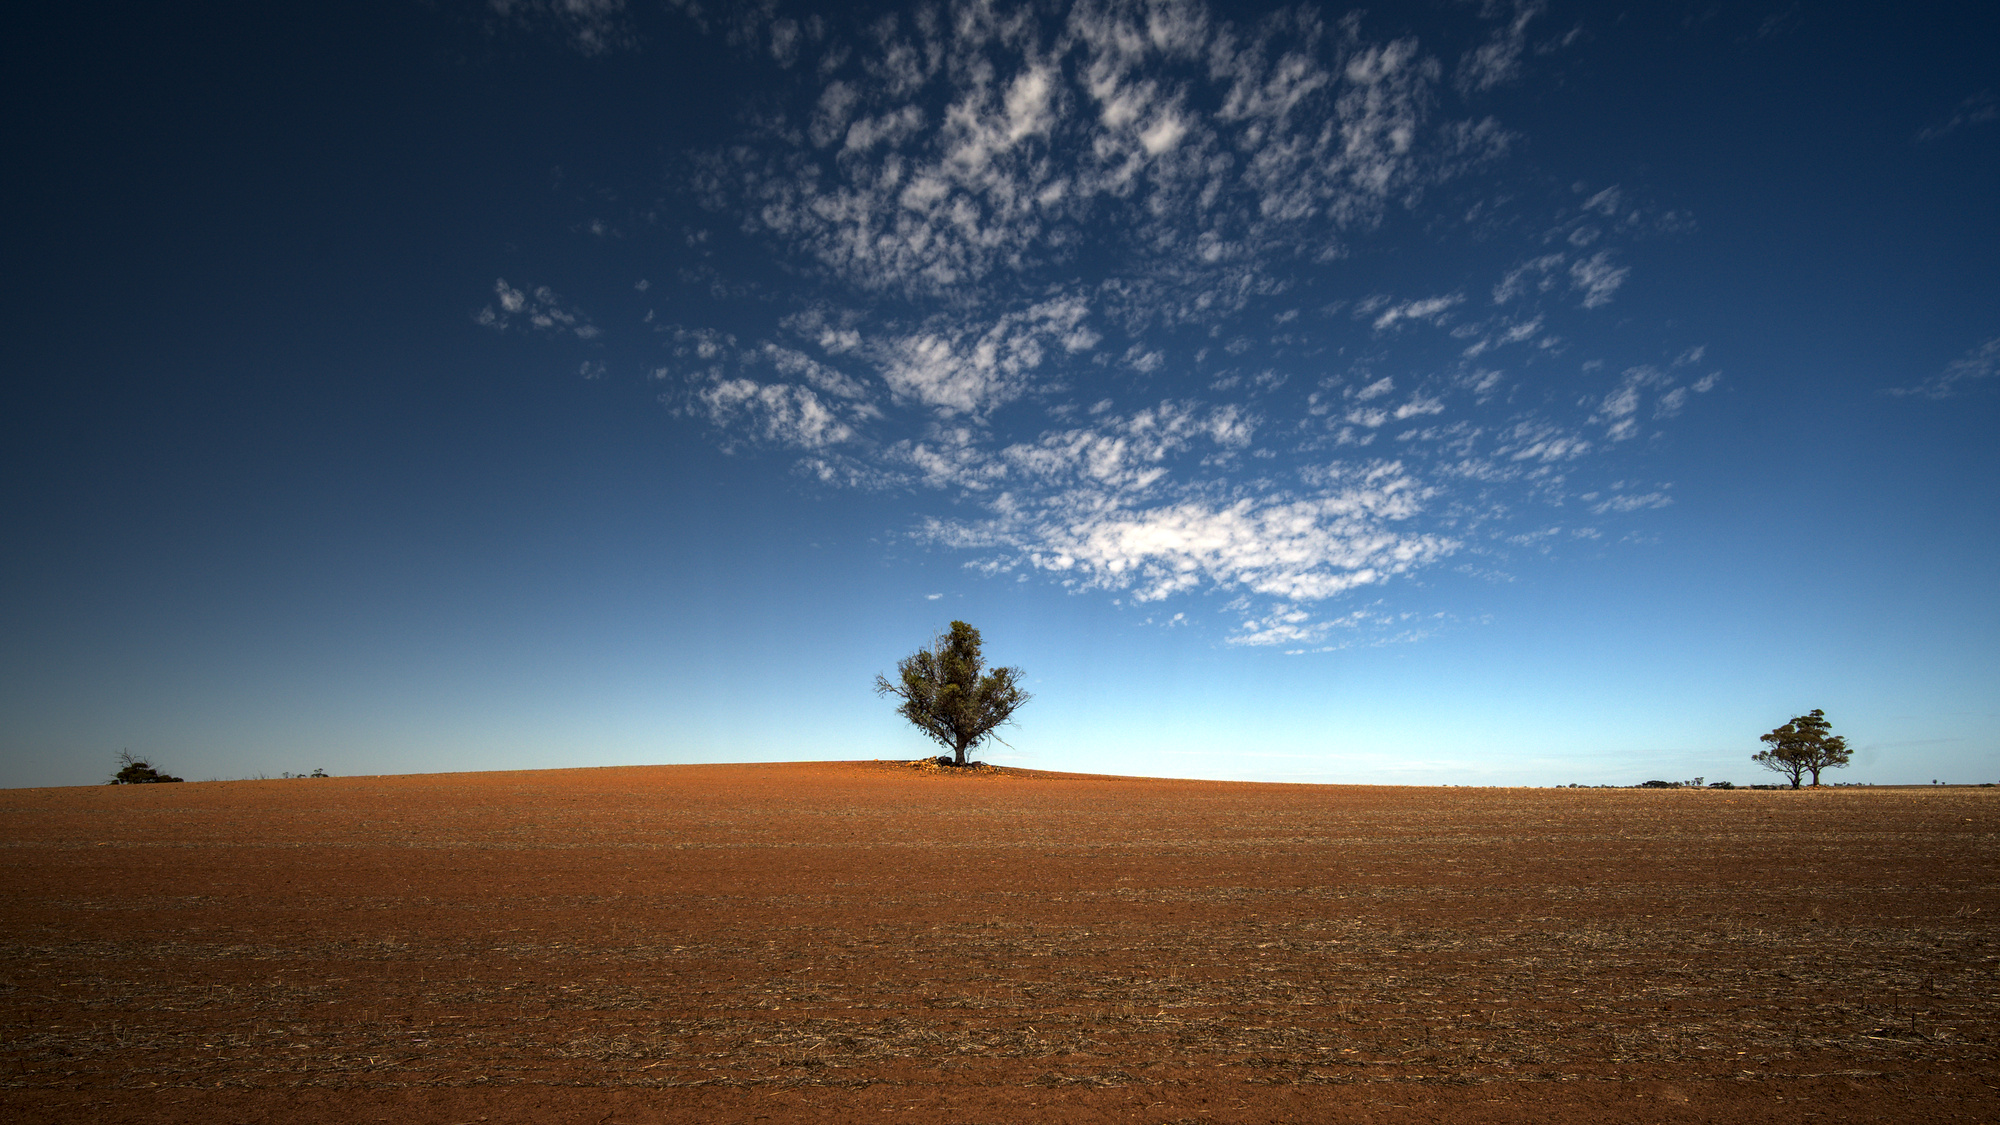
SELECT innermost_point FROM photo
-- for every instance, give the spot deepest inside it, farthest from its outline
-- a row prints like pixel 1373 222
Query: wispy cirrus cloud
pixel 1498 60
pixel 1975 366
pixel 1979 109
pixel 592 27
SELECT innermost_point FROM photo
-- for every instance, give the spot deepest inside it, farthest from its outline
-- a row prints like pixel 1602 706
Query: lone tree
pixel 137 771
pixel 1804 745
pixel 945 695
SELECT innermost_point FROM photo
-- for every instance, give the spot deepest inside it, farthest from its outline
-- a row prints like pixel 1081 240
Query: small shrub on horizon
pixel 137 771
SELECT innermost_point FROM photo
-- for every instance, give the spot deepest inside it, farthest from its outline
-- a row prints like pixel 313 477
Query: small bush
pixel 137 771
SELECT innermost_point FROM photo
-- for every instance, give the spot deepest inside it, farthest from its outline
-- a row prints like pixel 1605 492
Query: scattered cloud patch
pixel 1974 367
pixel 942 154
pixel 1626 501
pixel 1343 533
pixel 1979 109
pixel 591 27
pixel 1596 278
pixel 1431 310
pixel 1093 288
pixel 955 368
pixel 1498 60
pixel 536 309
pixel 778 413
pixel 1534 276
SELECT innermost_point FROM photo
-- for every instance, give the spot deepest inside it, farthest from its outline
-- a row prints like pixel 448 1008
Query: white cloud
pixel 785 41
pixel 1618 410
pixel 1597 278
pixel 1979 109
pixel 1418 406
pixel 1631 502
pixel 949 458
pixel 1498 60
pixel 1285 625
pixel 1536 275
pixel 1544 442
pixel 798 365
pixel 538 309
pixel 1341 534
pixel 1312 631
pixel 1977 365
pixel 1607 202
pixel 1077 283
pixel 1049 128
pixel 592 27
pixel 1431 309
pixel 1127 452
pixel 1376 389
pixel 782 414
pixel 954 369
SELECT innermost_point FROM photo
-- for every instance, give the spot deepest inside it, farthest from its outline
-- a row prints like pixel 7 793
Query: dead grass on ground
pixel 847 931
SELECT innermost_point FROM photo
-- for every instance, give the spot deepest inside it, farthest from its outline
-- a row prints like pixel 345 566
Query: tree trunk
pixel 961 752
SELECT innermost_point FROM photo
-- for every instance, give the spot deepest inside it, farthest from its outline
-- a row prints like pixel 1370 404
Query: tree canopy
pixel 948 696
pixel 1806 745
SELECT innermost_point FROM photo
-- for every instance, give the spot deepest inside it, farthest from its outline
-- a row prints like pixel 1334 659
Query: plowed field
pixel 871 942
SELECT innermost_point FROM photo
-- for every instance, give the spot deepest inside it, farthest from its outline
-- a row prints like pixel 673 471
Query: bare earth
pixel 871 942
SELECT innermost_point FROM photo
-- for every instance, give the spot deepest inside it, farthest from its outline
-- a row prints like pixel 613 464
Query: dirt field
pixel 870 942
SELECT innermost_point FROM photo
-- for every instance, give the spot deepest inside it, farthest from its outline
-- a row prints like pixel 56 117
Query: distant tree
pixel 1806 745
pixel 136 771
pixel 946 695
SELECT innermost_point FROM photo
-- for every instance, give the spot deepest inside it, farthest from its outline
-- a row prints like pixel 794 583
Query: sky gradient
pixel 1446 393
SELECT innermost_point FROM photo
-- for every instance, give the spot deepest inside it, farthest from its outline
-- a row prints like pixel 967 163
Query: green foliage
pixel 1806 745
pixel 947 694
pixel 136 771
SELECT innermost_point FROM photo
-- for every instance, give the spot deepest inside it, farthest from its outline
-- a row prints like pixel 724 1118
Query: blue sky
pixel 1446 393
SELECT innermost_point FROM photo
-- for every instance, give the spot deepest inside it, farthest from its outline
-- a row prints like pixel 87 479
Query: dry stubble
pixel 864 940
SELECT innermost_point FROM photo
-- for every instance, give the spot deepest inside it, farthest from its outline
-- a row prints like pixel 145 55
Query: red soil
pixel 865 941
